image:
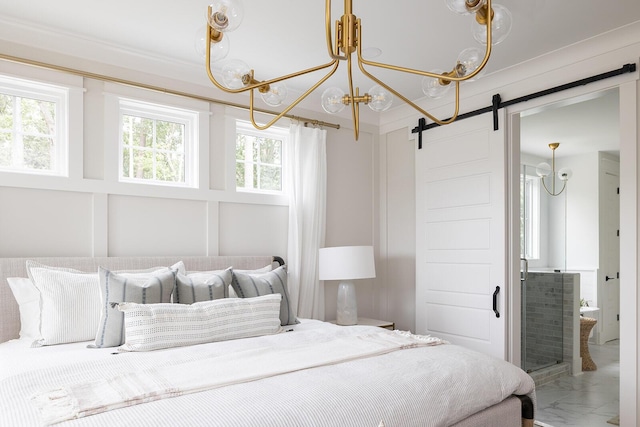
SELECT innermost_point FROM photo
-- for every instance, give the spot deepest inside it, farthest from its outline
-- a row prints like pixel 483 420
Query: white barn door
pixel 461 234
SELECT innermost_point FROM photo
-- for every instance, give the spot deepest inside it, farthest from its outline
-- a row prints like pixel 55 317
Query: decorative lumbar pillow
pixel 69 305
pixel 273 282
pixel 147 288
pixel 155 326
pixel 202 286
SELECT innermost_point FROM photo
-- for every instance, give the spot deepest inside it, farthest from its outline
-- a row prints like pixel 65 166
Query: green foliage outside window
pixel 153 149
pixel 258 163
pixel 27 133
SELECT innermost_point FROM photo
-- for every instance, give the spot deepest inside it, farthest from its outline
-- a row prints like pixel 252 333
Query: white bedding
pixel 426 386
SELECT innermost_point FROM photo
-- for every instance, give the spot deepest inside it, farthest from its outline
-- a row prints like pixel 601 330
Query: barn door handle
pixel 495 301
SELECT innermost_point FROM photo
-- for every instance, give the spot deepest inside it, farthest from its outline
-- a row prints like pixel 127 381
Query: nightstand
pixel 373 322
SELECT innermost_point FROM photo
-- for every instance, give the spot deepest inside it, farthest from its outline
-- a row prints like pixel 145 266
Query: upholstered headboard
pixel 16 267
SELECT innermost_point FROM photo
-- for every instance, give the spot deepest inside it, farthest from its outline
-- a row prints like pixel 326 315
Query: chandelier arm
pixel 412 104
pixel 447 76
pixel 355 109
pixel 258 84
pixel 293 104
pixel 551 193
pixel 332 53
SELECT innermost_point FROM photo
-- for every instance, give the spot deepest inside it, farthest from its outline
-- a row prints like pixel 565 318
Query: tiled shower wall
pixel 548 319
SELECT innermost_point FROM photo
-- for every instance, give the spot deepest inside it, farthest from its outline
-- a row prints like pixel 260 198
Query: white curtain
pixel 307 179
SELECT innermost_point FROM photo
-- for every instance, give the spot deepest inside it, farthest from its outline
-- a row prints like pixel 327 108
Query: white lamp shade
pixel 347 263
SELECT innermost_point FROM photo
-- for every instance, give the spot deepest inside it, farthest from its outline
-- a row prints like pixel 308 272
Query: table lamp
pixel 347 263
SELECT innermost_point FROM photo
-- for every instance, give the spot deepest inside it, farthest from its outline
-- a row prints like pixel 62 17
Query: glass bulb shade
pixel 232 72
pixel 432 87
pixel 565 174
pixel 332 100
pixel 463 7
pixel 219 50
pixel 470 59
pixel 381 99
pixel 226 15
pixel 276 94
pixel 500 26
pixel 543 170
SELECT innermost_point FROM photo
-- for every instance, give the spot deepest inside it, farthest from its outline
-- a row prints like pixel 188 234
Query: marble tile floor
pixel 587 400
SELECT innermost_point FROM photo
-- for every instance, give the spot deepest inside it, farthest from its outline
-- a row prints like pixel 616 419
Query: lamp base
pixel 347 313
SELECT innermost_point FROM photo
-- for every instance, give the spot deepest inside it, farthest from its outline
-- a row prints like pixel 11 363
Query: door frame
pixel 629 256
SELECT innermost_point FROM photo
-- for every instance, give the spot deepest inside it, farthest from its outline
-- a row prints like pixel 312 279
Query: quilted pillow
pixel 156 326
pixel 139 288
pixel 273 282
pixel 202 286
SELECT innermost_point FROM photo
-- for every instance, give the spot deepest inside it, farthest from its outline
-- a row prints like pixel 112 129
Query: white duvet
pixel 426 386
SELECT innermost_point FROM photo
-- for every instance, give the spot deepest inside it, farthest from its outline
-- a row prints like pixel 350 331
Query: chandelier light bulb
pixel 381 99
pixel 219 50
pixel 432 86
pixel 232 73
pixel 468 61
pixel 543 170
pixel 276 94
pixel 226 15
pixel 500 26
pixel 565 174
pixel 464 7
pixel 332 100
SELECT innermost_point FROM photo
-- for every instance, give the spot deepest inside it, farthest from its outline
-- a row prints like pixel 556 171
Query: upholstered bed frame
pixel 514 411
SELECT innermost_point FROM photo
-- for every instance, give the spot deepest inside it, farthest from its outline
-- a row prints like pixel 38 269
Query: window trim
pixel 532 211
pixel 60 96
pixel 155 111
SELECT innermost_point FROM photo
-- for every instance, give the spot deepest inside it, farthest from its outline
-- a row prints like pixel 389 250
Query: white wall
pixel 90 213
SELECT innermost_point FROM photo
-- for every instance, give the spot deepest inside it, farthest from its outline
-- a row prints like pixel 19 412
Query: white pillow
pixel 156 326
pixel 28 298
pixel 69 303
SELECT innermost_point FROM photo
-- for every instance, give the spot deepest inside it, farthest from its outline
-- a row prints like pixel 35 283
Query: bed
pixel 297 372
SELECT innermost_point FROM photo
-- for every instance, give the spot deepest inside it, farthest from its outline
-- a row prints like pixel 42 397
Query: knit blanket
pixel 83 399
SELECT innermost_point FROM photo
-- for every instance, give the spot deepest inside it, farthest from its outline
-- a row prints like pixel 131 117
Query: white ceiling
pixel 581 125
pixel 283 36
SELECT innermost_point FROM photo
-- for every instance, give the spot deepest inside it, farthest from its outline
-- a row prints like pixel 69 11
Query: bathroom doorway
pixel 575 231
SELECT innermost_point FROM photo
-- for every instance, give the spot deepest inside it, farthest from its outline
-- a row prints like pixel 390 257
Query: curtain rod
pixel 105 78
pixel 497 103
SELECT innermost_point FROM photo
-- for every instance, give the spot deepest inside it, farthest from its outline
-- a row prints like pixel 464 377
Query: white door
pixel 461 229
pixel 609 282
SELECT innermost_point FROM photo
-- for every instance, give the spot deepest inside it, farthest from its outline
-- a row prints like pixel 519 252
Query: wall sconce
pixel 543 170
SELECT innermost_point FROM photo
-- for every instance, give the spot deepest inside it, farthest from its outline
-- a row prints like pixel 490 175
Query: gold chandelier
pixel 491 26
pixel 543 170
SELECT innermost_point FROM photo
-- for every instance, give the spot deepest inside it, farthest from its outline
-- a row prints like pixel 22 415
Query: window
pixel 33 127
pixel 530 217
pixel 259 158
pixel 158 144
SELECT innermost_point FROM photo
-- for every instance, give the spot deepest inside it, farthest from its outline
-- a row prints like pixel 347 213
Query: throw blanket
pixel 131 388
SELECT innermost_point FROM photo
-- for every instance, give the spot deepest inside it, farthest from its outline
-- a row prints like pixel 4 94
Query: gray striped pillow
pixel 148 288
pixel 156 326
pixel 273 282
pixel 202 286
